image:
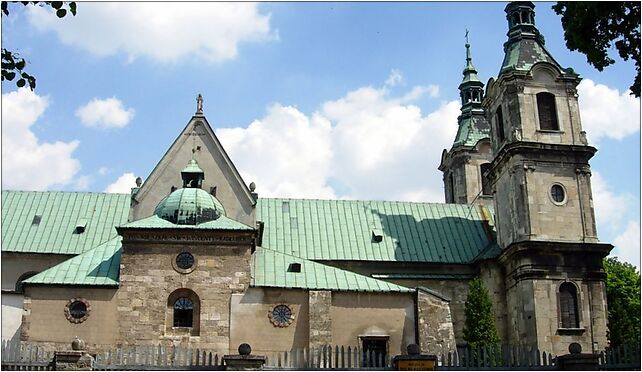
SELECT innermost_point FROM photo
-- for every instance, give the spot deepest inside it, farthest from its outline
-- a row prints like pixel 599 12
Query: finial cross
pixel 466 36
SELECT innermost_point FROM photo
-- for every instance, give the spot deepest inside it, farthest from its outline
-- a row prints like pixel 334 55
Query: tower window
pixel 547 112
pixel 557 194
pixel 183 312
pixel 500 123
pixel 450 195
pixel 569 314
pixel 486 187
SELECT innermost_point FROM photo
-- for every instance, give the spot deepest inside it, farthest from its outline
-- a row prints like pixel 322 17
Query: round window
pixel 281 316
pixel 77 310
pixel 185 260
pixel 558 194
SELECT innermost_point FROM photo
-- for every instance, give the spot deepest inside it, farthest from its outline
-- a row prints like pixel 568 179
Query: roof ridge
pixel 64 192
pixel 366 201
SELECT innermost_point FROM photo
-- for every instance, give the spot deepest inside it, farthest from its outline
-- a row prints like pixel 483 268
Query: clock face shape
pixel 281 315
pixel 185 260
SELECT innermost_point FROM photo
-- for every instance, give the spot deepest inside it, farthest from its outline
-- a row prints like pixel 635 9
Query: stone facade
pixel 434 323
pixel 148 279
pixel 320 304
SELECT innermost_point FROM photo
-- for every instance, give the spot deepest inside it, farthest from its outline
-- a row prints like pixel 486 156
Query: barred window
pixel 547 112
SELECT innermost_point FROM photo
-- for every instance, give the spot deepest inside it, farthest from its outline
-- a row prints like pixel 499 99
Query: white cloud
pixel 607 113
pixel 285 153
pixel 609 206
pixel 123 185
pixel 103 171
pixel 627 244
pixel 105 113
pixel 374 145
pixel 28 164
pixel 167 32
pixel 395 78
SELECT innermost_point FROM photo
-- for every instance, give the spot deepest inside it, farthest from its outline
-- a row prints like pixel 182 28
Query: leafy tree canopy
pixel 479 328
pixel 623 298
pixel 12 64
pixel 592 27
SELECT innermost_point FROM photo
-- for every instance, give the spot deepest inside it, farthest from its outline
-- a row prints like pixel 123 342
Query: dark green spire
pixel 525 45
pixel 471 88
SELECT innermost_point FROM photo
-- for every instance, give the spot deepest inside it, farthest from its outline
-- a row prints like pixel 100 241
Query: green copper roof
pixel 472 129
pixel 192 167
pixel 270 269
pixel 98 266
pixel 523 54
pixel 189 206
pixel 346 229
pixel 155 222
pixel 470 72
pixel 55 231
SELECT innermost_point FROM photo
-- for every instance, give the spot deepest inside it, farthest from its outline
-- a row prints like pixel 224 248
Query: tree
pixel 12 64
pixel 592 27
pixel 623 299
pixel 479 328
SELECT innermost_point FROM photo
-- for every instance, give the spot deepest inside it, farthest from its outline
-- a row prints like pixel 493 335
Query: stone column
pixel 436 332
pixel 320 303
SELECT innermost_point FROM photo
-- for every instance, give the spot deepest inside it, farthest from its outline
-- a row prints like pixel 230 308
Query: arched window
pixel 547 112
pixel 569 310
pixel 183 312
pixel 500 123
pixel 451 188
pixel 486 186
pixel 22 278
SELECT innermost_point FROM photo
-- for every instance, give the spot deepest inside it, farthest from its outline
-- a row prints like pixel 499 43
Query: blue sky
pixel 320 100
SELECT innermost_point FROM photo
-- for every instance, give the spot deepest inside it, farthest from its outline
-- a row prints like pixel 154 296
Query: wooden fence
pixel 624 357
pixel 497 358
pixel 328 357
pixel 32 357
pixel 25 357
pixel 158 357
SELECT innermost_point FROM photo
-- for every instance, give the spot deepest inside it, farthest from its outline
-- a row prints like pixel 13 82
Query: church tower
pixel 543 203
pixel 464 166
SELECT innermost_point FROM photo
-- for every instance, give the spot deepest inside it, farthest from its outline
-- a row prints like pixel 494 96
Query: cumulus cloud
pixel 627 244
pixel 105 113
pixel 28 164
pixel 166 32
pixel 367 141
pixel 123 185
pixel 609 206
pixel 607 113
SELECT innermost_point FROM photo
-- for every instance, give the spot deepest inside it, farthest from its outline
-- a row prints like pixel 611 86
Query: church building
pixel 195 257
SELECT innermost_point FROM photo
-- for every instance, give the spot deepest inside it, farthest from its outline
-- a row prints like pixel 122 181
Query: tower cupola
pixel 471 88
pixel 192 175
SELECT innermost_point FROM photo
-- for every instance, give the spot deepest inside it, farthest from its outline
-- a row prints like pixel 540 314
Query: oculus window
pixel 77 310
pixel 281 316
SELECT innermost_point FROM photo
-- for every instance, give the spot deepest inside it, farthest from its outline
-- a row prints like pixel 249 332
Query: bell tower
pixel 465 164
pixel 543 201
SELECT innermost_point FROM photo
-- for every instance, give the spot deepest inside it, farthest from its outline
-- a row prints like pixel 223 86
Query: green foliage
pixel 592 28
pixel 479 328
pixel 12 63
pixel 623 297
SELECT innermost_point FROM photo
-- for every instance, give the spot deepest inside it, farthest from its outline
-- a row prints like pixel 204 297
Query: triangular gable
pixel 219 170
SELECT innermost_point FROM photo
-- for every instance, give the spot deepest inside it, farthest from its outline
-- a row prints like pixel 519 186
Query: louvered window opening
pixel 500 123
pixel 486 186
pixel 183 312
pixel 546 111
pixel 568 306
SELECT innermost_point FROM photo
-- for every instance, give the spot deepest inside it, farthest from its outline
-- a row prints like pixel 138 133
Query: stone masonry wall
pixel 436 332
pixel 320 304
pixel 148 278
